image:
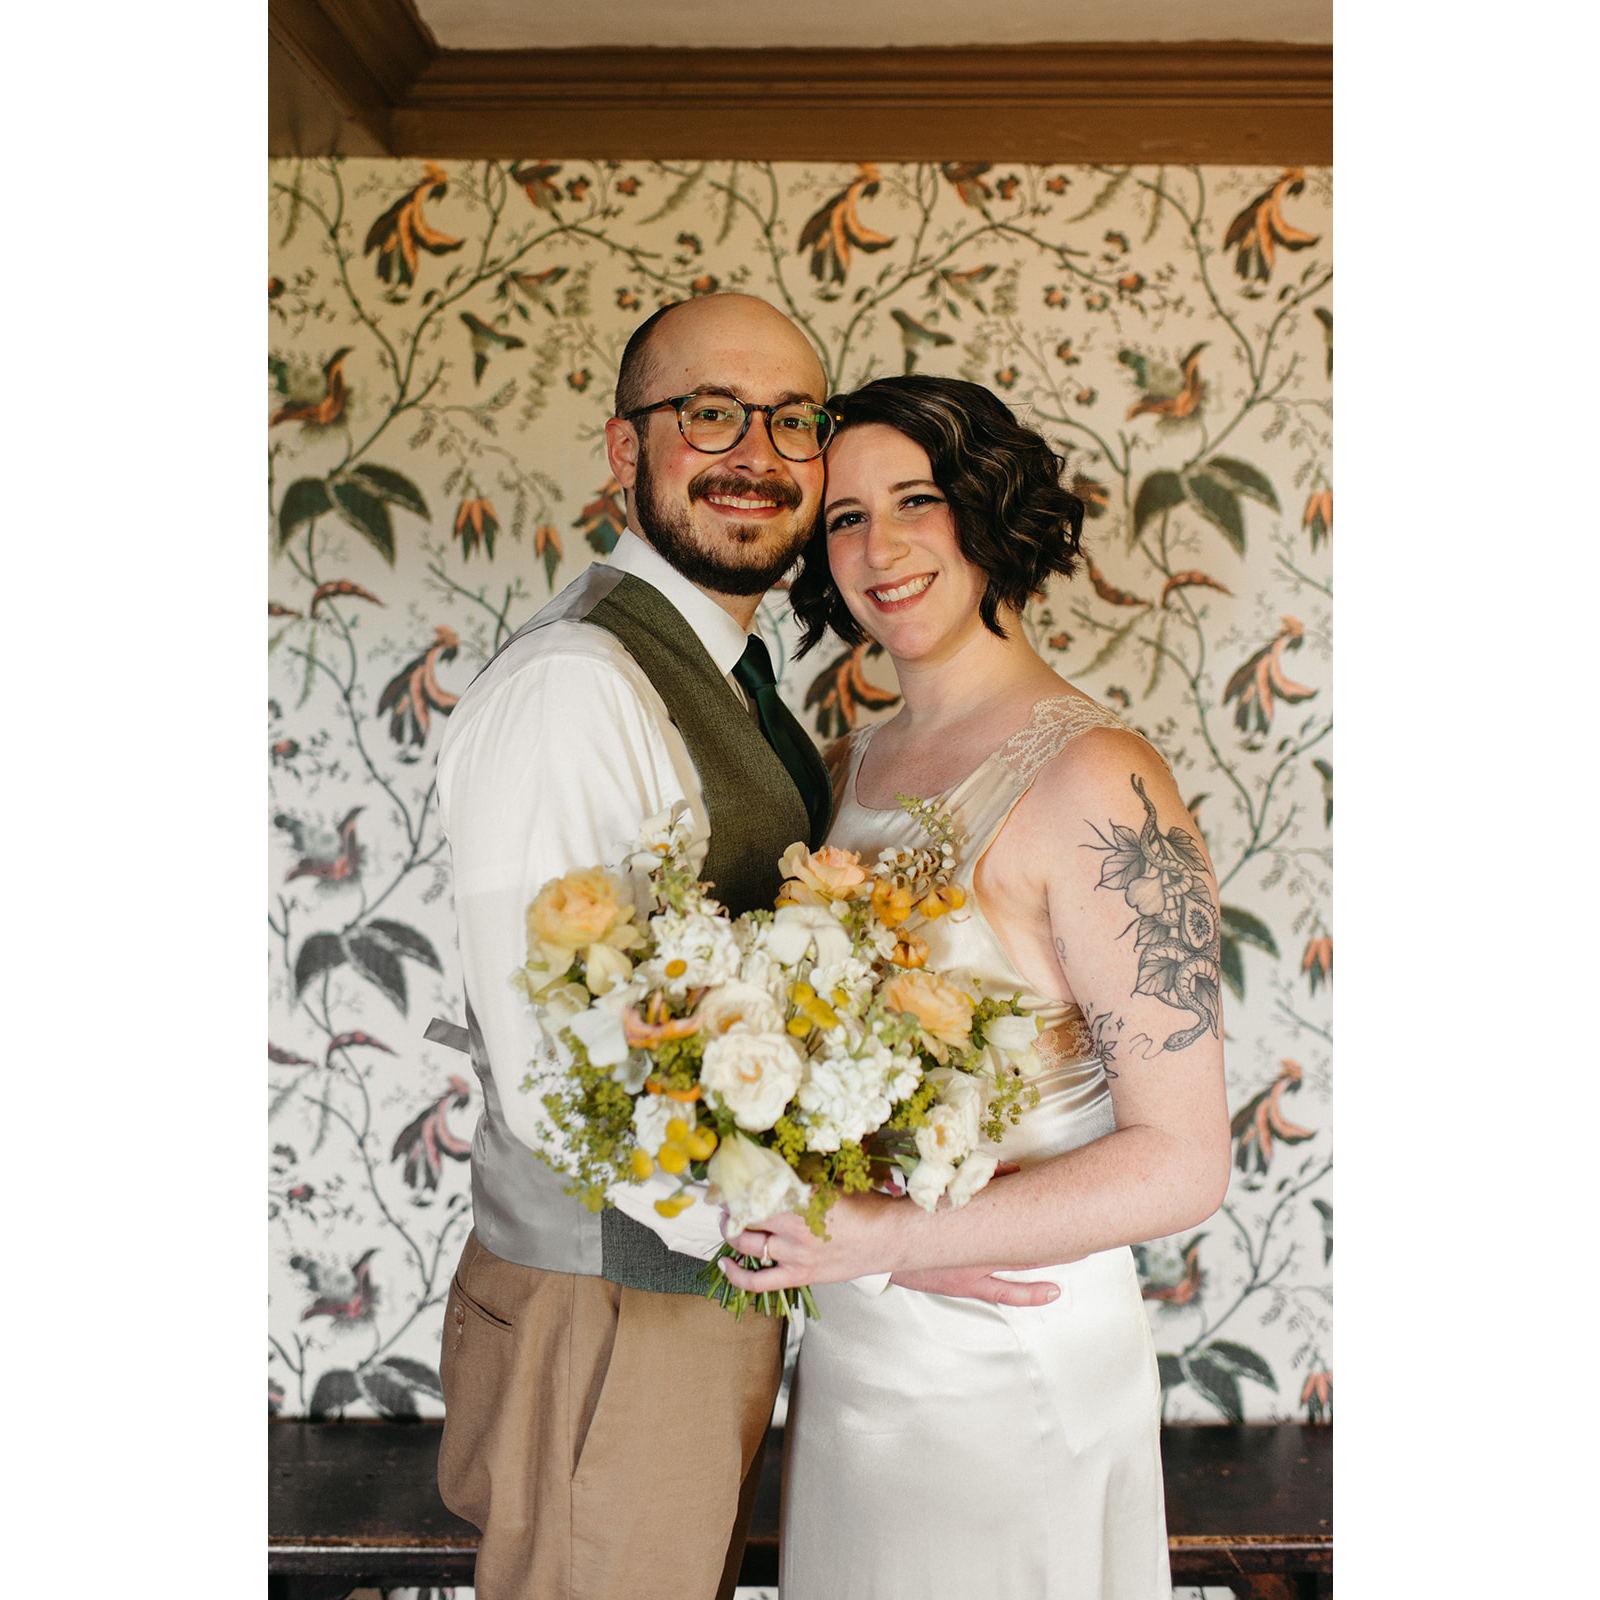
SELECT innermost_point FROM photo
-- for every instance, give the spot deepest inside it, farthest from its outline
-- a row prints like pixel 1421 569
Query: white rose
pixel 928 1182
pixel 605 968
pixel 752 1182
pixel 1011 1035
pixel 971 1176
pixel 745 1006
pixel 795 929
pixel 951 1131
pixel 753 1074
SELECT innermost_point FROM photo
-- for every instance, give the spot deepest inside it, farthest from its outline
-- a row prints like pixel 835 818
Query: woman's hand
pixel 864 1237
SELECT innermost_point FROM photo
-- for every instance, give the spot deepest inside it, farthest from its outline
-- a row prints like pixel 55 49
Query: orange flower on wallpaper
pixel 414 692
pixel 1317 1396
pixel 535 180
pixel 842 691
pixel 601 521
pixel 328 408
pixel 547 548
pixel 475 520
pixel 1317 962
pixel 1182 1290
pixel 1259 229
pixel 1318 516
pixel 1262 681
pixel 402 230
pixel 835 229
pixel 1260 1123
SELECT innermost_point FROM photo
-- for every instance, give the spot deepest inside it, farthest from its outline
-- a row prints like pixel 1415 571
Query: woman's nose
pixel 886 543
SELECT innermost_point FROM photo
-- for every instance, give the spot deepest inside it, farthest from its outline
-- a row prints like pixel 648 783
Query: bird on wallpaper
pixel 413 692
pixel 344 1297
pixel 1175 407
pixel 330 861
pixel 1260 1122
pixel 425 1141
pixel 842 691
pixel 966 177
pixel 1175 1291
pixel 328 408
pixel 486 339
pixel 402 230
pixel 1262 681
pixel 915 336
pixel 1259 229
pixel 834 229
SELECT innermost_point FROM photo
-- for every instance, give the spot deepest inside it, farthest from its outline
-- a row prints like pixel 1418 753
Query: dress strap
pixel 1054 723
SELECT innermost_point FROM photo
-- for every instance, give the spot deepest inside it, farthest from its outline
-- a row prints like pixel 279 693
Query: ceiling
pixel 1231 81
pixel 845 24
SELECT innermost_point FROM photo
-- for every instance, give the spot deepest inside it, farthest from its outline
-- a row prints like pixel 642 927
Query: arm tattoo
pixel 1162 876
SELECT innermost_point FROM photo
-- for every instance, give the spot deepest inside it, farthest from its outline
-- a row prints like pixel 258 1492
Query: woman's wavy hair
pixel 1014 520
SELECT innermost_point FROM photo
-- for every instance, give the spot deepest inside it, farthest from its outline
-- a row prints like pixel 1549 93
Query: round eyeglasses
pixel 715 423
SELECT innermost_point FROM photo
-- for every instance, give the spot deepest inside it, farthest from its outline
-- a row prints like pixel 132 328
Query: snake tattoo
pixel 1162 876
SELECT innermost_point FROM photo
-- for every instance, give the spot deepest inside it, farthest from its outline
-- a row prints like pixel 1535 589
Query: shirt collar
pixel 723 638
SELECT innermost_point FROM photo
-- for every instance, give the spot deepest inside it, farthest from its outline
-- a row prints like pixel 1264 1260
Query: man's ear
pixel 622 450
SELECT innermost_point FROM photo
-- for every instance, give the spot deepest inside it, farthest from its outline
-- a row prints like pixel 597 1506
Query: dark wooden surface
pixel 357 1500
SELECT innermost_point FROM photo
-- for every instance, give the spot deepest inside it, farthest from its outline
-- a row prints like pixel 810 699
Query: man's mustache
pixel 784 491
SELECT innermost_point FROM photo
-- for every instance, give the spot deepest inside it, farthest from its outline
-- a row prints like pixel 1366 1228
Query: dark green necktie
pixel 789 741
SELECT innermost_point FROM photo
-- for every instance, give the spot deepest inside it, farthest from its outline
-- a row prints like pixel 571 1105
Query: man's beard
pixel 671 530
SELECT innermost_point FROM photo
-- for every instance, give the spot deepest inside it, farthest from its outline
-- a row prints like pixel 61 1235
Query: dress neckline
pixel 1037 713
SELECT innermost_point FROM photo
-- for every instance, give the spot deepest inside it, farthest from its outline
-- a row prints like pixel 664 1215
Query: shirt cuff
pixel 874 1283
pixel 695 1231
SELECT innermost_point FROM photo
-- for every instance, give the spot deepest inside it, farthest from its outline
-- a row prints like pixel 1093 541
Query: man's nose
pixel 756 451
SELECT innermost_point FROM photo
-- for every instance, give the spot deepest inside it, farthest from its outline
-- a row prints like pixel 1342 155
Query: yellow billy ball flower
pixel 841 999
pixel 677 1130
pixel 799 1027
pixel 821 1013
pixel 672 1157
pixel 955 896
pixel 801 992
pixel 641 1165
pixel 671 1206
pixel 702 1143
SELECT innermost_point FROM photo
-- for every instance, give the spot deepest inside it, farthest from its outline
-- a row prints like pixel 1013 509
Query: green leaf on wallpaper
pixel 1325 1211
pixel 552 560
pixel 1249 929
pixel 387 1393
pixel 1248 480
pixel 406 941
pixel 377 962
pixel 415 1373
pixel 1217 1384
pixel 393 486
pixel 304 499
pixel 1113 644
pixel 1241 1360
pixel 368 515
pixel 1171 1371
pixel 334 1391
pixel 322 952
pixel 1219 505
pixel 1161 491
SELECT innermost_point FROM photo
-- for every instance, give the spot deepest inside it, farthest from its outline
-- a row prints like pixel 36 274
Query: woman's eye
pixel 845 519
pixel 922 500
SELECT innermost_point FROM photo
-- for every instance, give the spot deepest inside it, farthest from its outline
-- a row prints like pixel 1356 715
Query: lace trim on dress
pixel 1055 722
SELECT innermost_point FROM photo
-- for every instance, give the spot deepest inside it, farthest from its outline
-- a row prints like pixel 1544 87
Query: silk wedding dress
pixel 946 1448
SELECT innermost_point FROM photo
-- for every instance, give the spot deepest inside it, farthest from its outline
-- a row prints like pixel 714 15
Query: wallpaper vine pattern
pixel 443 342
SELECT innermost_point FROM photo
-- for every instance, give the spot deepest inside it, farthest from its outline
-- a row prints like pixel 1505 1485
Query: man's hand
pixel 977 1283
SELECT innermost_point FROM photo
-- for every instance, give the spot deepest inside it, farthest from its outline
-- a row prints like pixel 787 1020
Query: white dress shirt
pixel 552 760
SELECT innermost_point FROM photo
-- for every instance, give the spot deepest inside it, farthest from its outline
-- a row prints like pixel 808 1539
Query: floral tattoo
pixel 1162 876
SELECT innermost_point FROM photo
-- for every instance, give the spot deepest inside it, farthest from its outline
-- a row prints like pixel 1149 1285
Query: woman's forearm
pixel 1135 1184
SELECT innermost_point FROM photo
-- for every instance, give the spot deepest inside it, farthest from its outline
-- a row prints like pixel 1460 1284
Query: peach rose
pixel 942 1011
pixel 577 909
pixel 817 875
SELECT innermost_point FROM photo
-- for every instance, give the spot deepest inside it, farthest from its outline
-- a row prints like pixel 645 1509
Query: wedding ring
pixel 766 1252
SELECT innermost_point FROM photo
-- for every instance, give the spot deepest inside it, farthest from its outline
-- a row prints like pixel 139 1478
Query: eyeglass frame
pixel 749 407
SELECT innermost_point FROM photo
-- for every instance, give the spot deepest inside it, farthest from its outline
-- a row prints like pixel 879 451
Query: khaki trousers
pixel 606 1441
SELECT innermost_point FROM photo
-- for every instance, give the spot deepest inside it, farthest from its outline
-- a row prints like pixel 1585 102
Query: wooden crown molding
pixel 1192 102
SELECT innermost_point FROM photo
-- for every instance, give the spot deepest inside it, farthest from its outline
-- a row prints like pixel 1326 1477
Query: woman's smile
pixel 902 593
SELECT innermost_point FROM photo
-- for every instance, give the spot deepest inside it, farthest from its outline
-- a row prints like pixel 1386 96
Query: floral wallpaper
pixel 443 341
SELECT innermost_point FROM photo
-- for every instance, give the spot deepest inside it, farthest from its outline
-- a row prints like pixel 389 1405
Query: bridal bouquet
pixel 782 1057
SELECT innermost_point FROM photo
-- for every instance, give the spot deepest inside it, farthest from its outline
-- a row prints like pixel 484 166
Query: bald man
pixel 603 1419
